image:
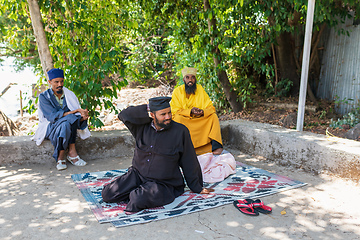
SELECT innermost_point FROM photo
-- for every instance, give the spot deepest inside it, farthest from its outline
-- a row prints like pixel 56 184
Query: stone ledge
pixel 20 149
pixel 312 152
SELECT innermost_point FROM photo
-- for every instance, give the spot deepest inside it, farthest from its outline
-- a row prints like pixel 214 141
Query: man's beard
pixel 59 90
pixel 162 124
pixel 190 89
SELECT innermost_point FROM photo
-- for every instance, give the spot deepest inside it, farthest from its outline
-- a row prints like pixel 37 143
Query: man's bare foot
pixel 207 190
pixel 72 152
pixel 218 151
pixel 130 213
pixel 73 156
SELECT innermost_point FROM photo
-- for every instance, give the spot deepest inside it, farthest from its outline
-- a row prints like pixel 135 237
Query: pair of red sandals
pixel 252 207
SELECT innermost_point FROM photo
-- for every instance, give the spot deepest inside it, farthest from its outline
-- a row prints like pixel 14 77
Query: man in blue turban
pixel 61 120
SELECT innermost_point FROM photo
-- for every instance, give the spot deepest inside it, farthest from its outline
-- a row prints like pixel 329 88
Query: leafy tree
pixel 16 34
pixel 94 42
pixel 147 60
pixel 207 37
pixel 86 40
pixel 241 48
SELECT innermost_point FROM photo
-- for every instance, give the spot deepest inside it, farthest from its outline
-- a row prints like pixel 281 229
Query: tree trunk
pixel 310 94
pixel 314 60
pixel 286 61
pixel 7 126
pixel 42 43
pixel 222 75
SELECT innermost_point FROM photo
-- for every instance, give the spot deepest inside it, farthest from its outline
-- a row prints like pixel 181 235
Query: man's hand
pixel 197 112
pixel 206 190
pixel 84 118
pixel 84 114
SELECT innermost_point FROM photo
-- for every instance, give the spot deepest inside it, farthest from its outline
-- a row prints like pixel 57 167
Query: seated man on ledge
pixel 192 106
pixel 61 119
pixel 162 147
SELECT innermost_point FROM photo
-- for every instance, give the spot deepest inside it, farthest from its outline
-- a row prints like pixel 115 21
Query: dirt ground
pixel 317 118
pixel 38 202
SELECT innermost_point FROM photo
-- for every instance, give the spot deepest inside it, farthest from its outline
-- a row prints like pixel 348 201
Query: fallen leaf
pixel 283 212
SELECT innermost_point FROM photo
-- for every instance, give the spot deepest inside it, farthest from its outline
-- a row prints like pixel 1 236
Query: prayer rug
pixel 247 182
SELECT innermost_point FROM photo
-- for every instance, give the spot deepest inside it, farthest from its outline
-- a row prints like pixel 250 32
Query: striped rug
pixel 248 182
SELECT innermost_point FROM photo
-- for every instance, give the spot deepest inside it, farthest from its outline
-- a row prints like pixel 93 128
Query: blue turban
pixel 159 103
pixel 55 73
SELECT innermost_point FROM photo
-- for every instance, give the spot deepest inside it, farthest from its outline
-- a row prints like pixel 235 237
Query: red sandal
pixel 246 206
pixel 260 207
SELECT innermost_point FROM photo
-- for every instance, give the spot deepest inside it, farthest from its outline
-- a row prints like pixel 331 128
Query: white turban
pixel 188 70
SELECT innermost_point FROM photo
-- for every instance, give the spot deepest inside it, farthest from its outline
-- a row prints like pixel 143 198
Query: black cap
pixel 159 103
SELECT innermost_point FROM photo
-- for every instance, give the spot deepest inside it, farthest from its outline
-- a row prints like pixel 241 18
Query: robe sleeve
pixel 203 100
pixel 209 111
pixel 50 112
pixel 184 112
pixel 133 116
pixel 190 164
pixel 177 105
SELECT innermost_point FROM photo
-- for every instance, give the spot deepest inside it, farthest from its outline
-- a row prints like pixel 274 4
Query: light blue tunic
pixel 59 126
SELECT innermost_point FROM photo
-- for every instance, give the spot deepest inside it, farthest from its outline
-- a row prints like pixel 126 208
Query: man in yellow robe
pixel 192 106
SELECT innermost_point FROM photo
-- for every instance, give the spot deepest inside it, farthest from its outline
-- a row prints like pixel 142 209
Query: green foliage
pixel 342 101
pixel 281 89
pixel 148 61
pixel 351 119
pixel 86 39
pixel 148 41
pixel 241 49
pixel 323 114
pixel 16 34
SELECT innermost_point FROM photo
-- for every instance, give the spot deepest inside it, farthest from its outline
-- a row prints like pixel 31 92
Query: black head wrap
pixel 159 103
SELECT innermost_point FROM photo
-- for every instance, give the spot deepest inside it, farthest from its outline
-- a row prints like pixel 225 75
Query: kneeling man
pixel 192 106
pixel 162 148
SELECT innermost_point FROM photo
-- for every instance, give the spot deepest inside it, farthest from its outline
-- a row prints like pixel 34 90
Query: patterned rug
pixel 248 182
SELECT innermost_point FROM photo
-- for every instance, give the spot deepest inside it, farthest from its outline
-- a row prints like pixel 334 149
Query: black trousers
pixel 63 133
pixel 74 127
pixel 215 145
pixel 139 192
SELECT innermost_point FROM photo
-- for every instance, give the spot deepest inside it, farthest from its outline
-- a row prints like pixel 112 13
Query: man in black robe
pixel 162 147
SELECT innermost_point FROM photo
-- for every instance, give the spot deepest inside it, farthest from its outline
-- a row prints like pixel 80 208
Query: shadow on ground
pixel 38 202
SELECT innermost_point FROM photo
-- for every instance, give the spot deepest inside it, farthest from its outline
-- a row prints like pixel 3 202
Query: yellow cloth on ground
pixel 202 129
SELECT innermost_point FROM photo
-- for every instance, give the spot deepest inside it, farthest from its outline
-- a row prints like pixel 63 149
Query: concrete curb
pixel 20 149
pixel 312 152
